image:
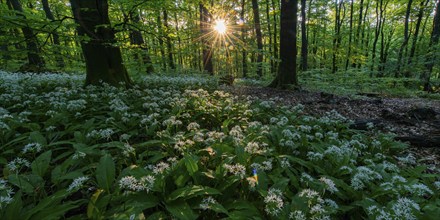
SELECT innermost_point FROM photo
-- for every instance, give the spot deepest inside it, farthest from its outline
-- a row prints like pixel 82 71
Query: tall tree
pixel 423 6
pixel 137 39
pixel 243 38
pixel 405 39
pixel 35 61
pixel 304 41
pixel 269 34
pixel 350 37
pixel 168 39
pixel 259 36
pixel 55 36
pixel 205 23
pixel 287 70
pixel 103 58
pixel 433 48
pixel 339 5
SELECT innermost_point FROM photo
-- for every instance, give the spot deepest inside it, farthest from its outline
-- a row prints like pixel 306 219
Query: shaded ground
pixel 406 117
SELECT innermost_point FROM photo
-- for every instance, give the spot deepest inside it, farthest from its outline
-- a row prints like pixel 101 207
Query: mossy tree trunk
pixel 103 59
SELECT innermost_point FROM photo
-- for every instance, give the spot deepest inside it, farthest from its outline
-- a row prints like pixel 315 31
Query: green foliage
pixel 173 147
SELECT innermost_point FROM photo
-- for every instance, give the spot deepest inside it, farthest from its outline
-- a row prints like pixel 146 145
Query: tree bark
pixel 205 21
pixel 104 62
pixel 160 39
pixel 35 61
pixel 350 37
pixel 275 36
pixel 405 39
pixel 287 70
pixel 412 52
pixel 269 30
pixel 243 39
pixel 433 48
pixel 259 37
pixel 137 39
pixel 168 39
pixel 304 40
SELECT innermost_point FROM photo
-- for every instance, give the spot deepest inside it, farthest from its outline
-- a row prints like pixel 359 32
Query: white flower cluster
pixel 255 148
pixel 171 121
pixel 193 126
pixel 128 150
pixel 237 170
pixel 274 202
pixel 77 183
pixel 101 134
pixel 207 203
pixel 403 208
pixel 6 193
pixel 32 147
pixel 363 176
pixel 159 168
pixel 145 183
pixel 329 184
pixel 17 164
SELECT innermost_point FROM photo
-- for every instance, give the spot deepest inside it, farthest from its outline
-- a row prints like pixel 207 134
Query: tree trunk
pixel 137 39
pixel 405 39
pixel 243 39
pixel 55 36
pixel 160 39
pixel 259 37
pixel 103 59
pixel 350 37
pixel 433 48
pixel 287 69
pixel 275 36
pixel 337 38
pixel 269 30
pixel 412 52
pixel 35 61
pixel 179 40
pixel 304 41
pixel 379 6
pixel 205 21
pixel 168 39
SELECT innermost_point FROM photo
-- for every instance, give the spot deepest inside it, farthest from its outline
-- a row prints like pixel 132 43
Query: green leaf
pixel 105 172
pixel 21 182
pixel 41 163
pixel 37 137
pixel 191 164
pixel 181 210
pixel 14 209
pixel 192 191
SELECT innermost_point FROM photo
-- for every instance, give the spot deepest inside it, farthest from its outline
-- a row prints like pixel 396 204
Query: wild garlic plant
pixel 173 147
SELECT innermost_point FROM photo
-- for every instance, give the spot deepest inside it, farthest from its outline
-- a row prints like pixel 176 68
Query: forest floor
pixel 417 119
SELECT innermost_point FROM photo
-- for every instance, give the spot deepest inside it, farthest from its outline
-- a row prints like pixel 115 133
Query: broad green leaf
pixel 105 172
pixel 181 210
pixel 21 182
pixel 191 164
pixel 191 191
pixel 14 209
pixel 41 163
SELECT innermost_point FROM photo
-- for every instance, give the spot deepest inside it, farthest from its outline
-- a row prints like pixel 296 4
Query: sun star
pixel 220 26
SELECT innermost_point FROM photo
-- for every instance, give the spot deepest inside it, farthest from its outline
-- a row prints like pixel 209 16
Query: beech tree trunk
pixel 168 39
pixel 269 32
pixel 205 21
pixel 405 39
pixel 433 45
pixel 412 52
pixel 137 39
pixel 243 39
pixel 287 70
pixel 103 59
pixel 259 37
pixel 35 61
pixel 304 41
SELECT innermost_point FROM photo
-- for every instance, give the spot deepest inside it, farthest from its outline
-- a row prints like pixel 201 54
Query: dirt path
pixel 406 117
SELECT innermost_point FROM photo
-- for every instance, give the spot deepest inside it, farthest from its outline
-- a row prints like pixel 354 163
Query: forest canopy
pixel 376 38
